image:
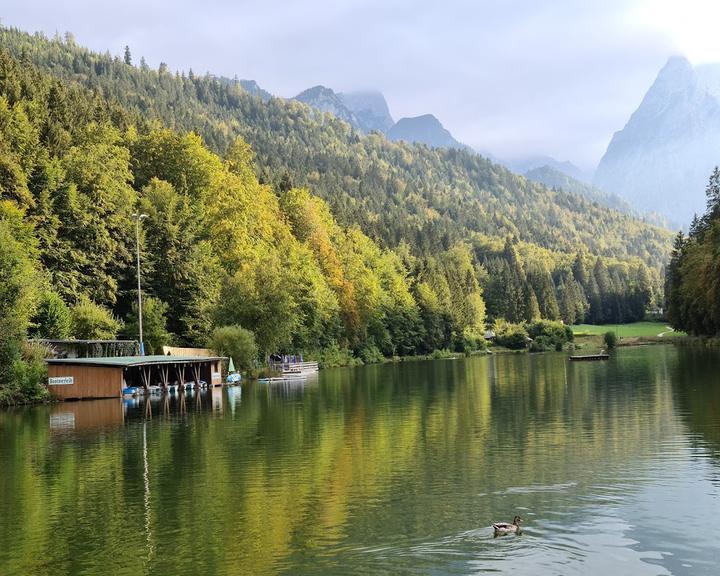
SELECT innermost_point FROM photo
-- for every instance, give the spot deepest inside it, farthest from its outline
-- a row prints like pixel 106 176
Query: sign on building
pixel 61 381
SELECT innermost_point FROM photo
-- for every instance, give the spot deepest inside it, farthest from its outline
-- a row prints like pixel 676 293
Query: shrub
pixel 333 356
pixel 237 343
pixel 90 321
pixel 28 377
pixel 52 319
pixel 512 336
pixel 371 354
pixel 610 339
pixel 441 354
pixel 552 335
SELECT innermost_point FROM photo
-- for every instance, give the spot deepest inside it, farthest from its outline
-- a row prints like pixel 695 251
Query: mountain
pixel 525 164
pixel 664 155
pixel 365 111
pixel 370 109
pixel 554 178
pixel 397 193
pixel 326 100
pixel 425 129
pixel 251 87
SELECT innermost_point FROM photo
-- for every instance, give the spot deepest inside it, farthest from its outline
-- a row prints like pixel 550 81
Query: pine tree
pixel 127 58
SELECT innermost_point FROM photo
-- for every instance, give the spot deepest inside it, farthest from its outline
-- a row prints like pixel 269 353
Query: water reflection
pixel 383 469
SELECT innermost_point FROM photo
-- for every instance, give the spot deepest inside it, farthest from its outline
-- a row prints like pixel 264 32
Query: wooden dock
pixel 591 357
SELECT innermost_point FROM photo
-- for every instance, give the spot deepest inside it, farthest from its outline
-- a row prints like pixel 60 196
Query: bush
pixel 610 339
pixel 549 334
pixel 333 356
pixel 542 344
pixel 512 336
pixel 90 321
pixel 442 354
pixel 371 354
pixel 27 377
pixel 52 319
pixel 472 341
pixel 237 343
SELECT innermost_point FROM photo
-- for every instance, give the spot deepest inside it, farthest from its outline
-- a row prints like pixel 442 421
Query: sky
pixel 514 78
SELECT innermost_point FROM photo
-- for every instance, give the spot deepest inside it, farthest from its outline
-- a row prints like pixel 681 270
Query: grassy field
pixel 636 329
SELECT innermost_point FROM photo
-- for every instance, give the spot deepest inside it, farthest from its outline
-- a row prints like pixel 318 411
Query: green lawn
pixel 626 330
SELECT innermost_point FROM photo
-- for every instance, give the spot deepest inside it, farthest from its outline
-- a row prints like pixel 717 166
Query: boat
pixel 290 368
pixel 233 376
pixel 130 391
pixel 590 357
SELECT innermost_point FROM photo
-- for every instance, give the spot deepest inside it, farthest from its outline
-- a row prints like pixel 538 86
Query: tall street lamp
pixel 137 216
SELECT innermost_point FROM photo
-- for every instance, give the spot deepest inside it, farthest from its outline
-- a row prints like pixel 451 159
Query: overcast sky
pixel 512 77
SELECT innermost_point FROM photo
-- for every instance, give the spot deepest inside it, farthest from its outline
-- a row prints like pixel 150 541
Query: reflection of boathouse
pixel 106 377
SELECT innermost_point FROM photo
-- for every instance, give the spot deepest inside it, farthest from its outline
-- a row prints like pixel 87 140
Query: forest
pixel 692 279
pixel 269 218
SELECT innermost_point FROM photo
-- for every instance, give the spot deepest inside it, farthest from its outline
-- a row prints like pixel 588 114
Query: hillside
pixel 554 178
pixel 526 164
pixel 669 146
pixel 396 192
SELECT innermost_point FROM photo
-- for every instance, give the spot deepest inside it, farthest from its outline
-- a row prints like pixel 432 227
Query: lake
pixel 397 469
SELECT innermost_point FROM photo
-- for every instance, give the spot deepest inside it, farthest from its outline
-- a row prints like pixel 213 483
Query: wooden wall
pixel 88 381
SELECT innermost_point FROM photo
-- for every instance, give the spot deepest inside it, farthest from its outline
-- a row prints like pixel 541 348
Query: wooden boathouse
pixel 77 378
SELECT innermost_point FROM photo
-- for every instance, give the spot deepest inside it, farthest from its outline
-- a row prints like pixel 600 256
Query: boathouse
pixel 76 378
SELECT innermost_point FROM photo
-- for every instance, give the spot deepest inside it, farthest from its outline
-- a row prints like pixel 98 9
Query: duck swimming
pixel 502 528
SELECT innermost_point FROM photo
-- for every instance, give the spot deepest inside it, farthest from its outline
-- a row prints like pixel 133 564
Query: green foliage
pixel 692 280
pixel 19 293
pixel 52 319
pixel 237 343
pixel 610 339
pixel 332 356
pixel 91 321
pixel 509 335
pixel 28 375
pixel 155 333
pixel 549 335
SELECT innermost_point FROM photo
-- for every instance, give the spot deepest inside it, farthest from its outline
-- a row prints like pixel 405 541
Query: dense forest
pixel 267 215
pixel 427 197
pixel 692 280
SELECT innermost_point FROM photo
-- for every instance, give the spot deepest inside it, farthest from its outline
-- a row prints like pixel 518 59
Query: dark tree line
pixel 692 278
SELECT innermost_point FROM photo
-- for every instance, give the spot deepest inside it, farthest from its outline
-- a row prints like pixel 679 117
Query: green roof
pixel 127 361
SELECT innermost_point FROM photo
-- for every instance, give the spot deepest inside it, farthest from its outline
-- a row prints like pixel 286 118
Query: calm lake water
pixel 396 469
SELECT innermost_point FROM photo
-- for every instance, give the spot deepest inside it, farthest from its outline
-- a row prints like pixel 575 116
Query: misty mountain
pixel 554 178
pixel 365 111
pixel 425 129
pixel 526 164
pixel 662 158
pixel 370 109
pixel 250 86
pixel 326 100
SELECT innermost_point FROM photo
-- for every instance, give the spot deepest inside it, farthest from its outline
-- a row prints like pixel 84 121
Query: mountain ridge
pixel 666 151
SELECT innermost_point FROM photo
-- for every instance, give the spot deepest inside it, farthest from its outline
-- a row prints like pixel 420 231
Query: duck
pixel 502 528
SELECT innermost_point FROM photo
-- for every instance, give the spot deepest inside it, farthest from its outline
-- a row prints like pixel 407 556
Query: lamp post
pixel 139 217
